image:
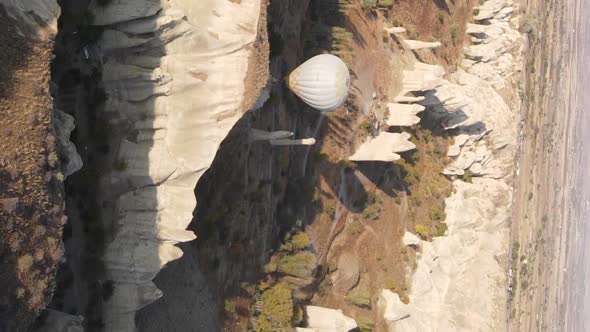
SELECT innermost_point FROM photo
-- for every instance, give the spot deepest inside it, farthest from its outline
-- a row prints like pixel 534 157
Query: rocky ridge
pixel 175 75
pixel 459 283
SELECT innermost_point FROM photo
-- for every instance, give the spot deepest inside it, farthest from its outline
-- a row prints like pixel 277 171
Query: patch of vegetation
pixel 330 209
pixel 230 306
pixel 389 284
pixel 52 159
pixel 360 298
pixel 454 34
pixel 299 241
pixel 299 265
pixel 515 249
pixel 366 324
pixel 373 207
pixel 441 17
pixel 367 127
pixel 437 213
pixel 422 231
pixel 275 309
pixel 467 176
pixel 397 200
pixel 475 11
pixel 440 229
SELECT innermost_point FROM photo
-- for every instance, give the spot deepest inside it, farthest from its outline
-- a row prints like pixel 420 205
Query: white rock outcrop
pixel 328 320
pixel 383 147
pixel 421 45
pixel 176 71
pixel 403 115
pixel 410 239
pixel 459 282
pixel 422 77
pixel 395 30
pixel 63 125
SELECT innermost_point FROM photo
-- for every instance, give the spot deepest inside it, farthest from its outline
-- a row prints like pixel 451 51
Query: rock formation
pixel 395 30
pixel 328 320
pixel 403 115
pixel 420 45
pixel 63 126
pixel 410 239
pixel 422 77
pixel 176 71
pixel 459 281
pixel 384 147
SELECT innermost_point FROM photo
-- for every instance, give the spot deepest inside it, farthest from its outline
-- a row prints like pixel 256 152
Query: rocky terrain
pixel 33 163
pixel 211 198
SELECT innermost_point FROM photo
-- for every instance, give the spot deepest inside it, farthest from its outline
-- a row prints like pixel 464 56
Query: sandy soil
pixel 541 228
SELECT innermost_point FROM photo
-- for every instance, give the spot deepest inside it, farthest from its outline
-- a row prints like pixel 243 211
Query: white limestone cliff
pixel 459 282
pixel 176 71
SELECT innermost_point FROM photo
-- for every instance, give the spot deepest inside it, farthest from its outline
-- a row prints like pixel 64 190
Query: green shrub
pixel 52 159
pixel 475 11
pixel 441 17
pixel 330 209
pixel 397 200
pixel 275 308
pixel 230 306
pixel 440 229
pixel 366 324
pixel 468 176
pixel 299 265
pixel 437 213
pixel 389 284
pixel 422 231
pixel 300 241
pixel 360 299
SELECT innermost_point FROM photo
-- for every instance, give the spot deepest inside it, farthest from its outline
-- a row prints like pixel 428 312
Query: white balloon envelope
pixel 322 82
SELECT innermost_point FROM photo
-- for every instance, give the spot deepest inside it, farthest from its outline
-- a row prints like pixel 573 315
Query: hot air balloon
pixel 322 82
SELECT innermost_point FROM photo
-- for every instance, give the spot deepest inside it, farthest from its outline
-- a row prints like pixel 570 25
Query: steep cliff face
pixel 177 76
pixel 31 175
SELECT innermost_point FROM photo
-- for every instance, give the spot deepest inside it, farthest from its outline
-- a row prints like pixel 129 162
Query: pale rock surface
pixel 392 309
pixel 410 239
pixel 420 45
pixel 422 77
pixel 63 125
pixel 403 114
pixel 459 284
pixel 384 147
pixel 177 75
pixel 395 30
pixel 328 320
